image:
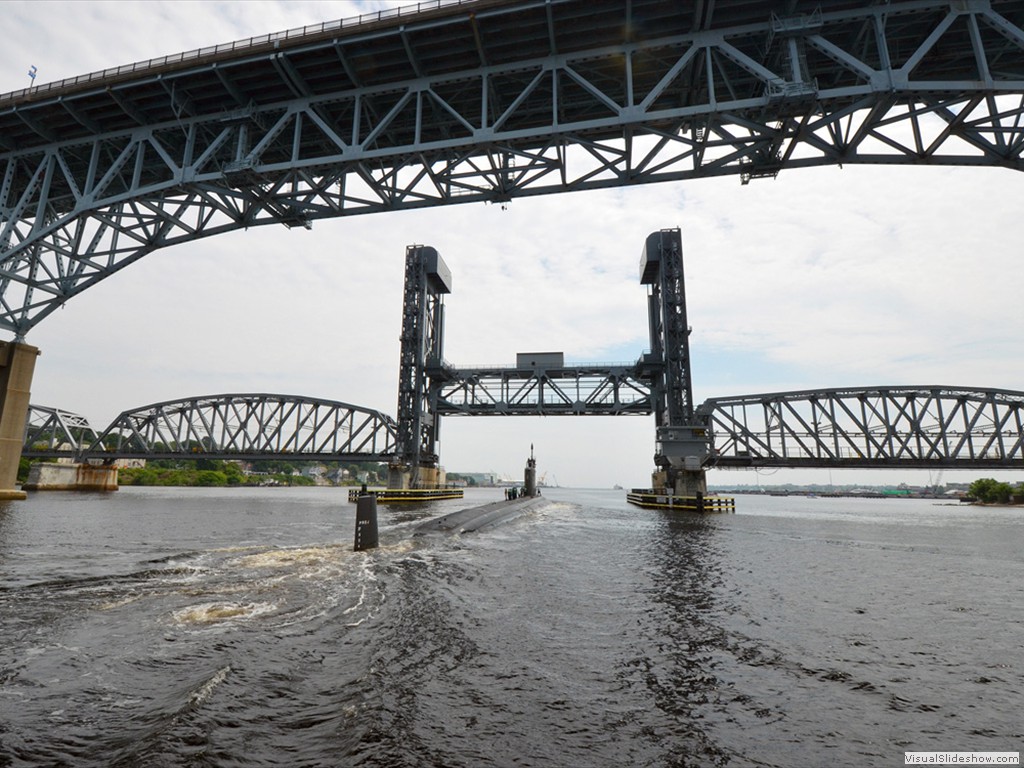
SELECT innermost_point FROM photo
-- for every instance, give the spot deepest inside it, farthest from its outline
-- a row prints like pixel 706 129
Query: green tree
pixel 233 473
pixel 990 491
pixel 209 477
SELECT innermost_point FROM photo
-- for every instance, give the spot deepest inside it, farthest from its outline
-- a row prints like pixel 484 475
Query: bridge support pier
pixel 17 364
pixel 680 483
pixel 404 477
pixel 682 452
pixel 71 477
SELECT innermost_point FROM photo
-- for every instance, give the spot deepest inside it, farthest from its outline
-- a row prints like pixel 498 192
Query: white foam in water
pixel 200 695
pixel 220 612
pixel 366 578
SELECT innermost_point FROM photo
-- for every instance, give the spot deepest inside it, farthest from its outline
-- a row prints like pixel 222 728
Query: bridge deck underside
pixel 486 101
pixel 615 55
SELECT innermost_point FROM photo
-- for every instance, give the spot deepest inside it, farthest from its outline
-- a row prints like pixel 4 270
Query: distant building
pixel 485 479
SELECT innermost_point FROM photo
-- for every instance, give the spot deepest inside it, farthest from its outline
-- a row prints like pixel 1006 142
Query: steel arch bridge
pixel 881 427
pixel 244 426
pixel 872 428
pixel 486 100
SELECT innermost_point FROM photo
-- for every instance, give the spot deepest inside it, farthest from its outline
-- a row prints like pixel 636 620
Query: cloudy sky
pixel 819 278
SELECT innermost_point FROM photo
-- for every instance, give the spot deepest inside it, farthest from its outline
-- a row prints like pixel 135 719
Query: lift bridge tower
pixel 540 384
pixel 682 447
pixel 427 279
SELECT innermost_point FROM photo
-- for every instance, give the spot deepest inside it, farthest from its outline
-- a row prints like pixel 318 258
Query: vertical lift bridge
pixel 542 385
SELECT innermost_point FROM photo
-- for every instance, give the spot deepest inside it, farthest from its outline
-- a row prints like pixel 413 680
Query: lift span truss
pixel 884 427
pixel 577 390
pixel 485 101
pixel 50 431
pixel 249 426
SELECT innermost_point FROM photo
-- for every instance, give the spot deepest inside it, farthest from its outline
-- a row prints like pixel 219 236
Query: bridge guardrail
pixel 252 43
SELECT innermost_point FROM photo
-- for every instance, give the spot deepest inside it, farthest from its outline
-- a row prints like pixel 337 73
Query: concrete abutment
pixel 17 364
pixel 71 477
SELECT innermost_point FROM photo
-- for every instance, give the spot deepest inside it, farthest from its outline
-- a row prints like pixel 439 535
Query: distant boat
pixel 617 488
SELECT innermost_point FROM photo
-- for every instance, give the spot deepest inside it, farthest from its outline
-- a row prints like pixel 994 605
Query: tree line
pixel 216 472
pixel 990 491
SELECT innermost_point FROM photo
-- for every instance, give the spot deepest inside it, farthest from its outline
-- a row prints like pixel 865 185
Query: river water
pixel 203 627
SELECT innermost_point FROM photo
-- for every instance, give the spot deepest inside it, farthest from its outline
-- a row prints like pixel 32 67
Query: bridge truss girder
pixel 48 430
pixel 92 180
pixel 247 427
pixel 883 427
pixel 566 391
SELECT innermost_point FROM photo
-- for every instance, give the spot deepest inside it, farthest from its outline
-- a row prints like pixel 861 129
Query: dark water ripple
pixel 206 628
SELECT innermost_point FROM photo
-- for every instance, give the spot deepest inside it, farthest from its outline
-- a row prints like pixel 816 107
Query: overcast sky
pixel 819 278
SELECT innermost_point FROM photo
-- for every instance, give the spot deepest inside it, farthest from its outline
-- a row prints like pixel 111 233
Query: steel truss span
pixel 487 100
pixel 50 431
pixel 569 390
pixel 249 426
pixel 883 427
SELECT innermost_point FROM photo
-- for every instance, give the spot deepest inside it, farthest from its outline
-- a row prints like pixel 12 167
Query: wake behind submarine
pixel 523 500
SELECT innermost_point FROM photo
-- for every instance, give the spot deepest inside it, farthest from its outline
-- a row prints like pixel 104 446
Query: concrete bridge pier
pixel 682 452
pixel 17 364
pixel 66 475
pixel 686 483
pixel 402 476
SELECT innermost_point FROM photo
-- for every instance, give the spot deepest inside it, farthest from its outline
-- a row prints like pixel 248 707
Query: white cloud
pixel 819 278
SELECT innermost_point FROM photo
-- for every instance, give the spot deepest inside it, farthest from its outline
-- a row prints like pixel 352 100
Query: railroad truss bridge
pixel 872 427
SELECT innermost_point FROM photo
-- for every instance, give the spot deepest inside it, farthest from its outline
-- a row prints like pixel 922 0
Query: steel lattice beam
pixel 52 431
pixel 568 390
pixel 882 427
pixel 248 426
pixel 486 101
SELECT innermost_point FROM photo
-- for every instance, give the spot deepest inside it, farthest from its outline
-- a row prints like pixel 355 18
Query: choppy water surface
pixel 172 627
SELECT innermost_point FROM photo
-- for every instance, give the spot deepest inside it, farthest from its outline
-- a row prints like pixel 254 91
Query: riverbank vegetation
pixel 227 475
pixel 989 491
pixel 216 473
